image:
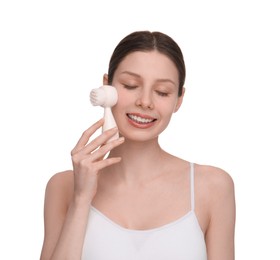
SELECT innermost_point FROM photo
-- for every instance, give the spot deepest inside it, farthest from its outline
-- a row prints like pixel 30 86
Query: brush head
pixel 105 96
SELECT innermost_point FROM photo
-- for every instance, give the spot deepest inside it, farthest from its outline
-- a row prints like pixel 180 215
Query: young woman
pixel 139 202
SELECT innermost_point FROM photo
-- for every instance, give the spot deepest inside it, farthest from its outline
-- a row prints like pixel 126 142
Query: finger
pixel 105 163
pixel 86 136
pixel 100 141
pixel 102 151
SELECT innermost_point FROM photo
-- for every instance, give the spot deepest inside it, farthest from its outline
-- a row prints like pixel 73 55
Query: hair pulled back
pixel 148 41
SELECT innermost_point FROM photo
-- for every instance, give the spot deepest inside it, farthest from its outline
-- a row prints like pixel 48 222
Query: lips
pixel 140 119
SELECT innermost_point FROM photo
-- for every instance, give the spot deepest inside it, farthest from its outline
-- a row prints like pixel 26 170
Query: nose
pixel 145 100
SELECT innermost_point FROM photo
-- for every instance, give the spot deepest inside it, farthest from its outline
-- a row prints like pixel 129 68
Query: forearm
pixel 70 242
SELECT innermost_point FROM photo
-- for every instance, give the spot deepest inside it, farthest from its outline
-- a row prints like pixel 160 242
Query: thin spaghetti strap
pixel 192 185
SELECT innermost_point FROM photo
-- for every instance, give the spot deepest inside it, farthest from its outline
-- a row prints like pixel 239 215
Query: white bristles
pixel 97 97
pixel 105 96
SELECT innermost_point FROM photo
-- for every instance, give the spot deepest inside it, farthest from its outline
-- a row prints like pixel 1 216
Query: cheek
pixel 121 103
pixel 123 97
pixel 120 108
pixel 166 107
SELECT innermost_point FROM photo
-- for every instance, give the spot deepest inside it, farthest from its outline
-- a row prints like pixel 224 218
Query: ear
pixel 105 79
pixel 179 101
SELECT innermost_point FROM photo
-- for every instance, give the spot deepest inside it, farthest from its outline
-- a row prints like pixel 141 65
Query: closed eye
pixel 162 94
pixel 130 87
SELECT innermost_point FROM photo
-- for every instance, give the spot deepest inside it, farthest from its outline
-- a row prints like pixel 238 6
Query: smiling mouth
pixel 140 120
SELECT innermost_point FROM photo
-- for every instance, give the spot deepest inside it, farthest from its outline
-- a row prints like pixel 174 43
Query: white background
pixel 53 53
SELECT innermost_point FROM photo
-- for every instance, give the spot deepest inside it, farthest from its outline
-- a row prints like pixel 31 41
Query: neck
pixel 140 160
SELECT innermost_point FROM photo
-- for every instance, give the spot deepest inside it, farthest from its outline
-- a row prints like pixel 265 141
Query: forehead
pixel 150 63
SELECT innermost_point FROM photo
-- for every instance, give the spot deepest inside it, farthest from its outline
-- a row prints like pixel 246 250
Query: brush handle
pixel 109 122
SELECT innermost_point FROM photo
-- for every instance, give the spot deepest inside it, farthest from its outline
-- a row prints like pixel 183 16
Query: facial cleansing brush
pixel 106 96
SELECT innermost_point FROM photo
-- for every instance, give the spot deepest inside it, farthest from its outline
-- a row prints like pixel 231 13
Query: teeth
pixel 140 120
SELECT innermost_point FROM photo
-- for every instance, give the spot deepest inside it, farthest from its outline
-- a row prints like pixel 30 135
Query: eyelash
pixel 162 94
pixel 129 87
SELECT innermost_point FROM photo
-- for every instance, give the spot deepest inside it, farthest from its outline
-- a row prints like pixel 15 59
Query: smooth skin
pixel 113 184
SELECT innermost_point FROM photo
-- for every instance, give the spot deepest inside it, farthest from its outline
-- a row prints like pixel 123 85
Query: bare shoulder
pixel 60 185
pixel 61 178
pixel 214 178
pixel 215 189
pixel 58 194
pixel 216 210
pixel 215 199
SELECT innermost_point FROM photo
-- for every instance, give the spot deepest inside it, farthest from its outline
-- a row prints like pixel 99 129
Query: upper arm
pixel 57 198
pixel 220 232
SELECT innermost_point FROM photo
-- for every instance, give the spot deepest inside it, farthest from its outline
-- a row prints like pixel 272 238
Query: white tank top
pixel 181 239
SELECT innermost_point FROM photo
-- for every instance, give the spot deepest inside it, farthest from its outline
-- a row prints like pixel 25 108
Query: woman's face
pixel 147 84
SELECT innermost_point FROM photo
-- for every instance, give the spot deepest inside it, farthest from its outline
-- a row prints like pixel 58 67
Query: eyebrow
pixel 131 73
pixel 138 76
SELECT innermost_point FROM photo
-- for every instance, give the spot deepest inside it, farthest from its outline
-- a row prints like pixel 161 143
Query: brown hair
pixel 148 41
